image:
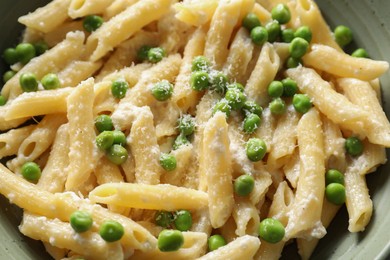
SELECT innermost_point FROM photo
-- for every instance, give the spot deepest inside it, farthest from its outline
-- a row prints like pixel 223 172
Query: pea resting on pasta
pixel 200 63
pixel 28 82
pixel 251 21
pixel 8 75
pixel 215 242
pixel 187 128
pixel 271 230
pixel 103 123
pixel 183 220
pixel 81 221
pixel 111 231
pixel 164 218
pixel 170 240
pixel 50 81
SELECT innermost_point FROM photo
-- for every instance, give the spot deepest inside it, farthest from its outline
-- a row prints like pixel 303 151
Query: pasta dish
pixel 208 129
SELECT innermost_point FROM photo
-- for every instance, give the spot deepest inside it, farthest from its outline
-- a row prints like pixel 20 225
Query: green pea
pixel 200 63
pixel 28 81
pixel 304 32
pixel 215 241
pixel 275 89
pixel 244 185
pixel 119 88
pixel 81 221
pixel 117 154
pixel 187 125
pixel 142 53
pixel 31 171
pixel 251 21
pixel 168 161
pixel 354 146
pixel 293 62
pixel 40 47
pixel 334 176
pixel 288 35
pixel 103 123
pixel 290 87
pixel 10 56
pixel 277 106
pixel 8 75
pixel 119 137
pixel 222 106
pixel 251 107
pixel 298 47
pixel 156 54
pixel 271 230
pixel 251 123
pixel 25 52
pixel 281 13
pixel 237 86
pixel 235 98
pixel 335 193
pixel 259 35
pixel 183 220
pixel 111 230
pixel 170 240
pixel 180 140
pixel 3 100
pixel 255 149
pixel 163 218
pixel 219 82
pixel 51 81
pixel 92 22
pixel 301 103
pixel 360 53
pixel 343 35
pixel 162 90
pixel 105 140
pixel 274 30
pixel 199 80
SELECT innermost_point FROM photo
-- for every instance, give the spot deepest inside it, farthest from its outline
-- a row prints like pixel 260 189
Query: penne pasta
pixel 218 171
pixel 243 247
pixel 183 95
pixel 332 104
pixel 130 20
pixel 358 201
pixel 11 140
pixel 143 144
pixel 54 174
pixel 47 18
pixel 80 8
pixel 264 72
pixel 37 142
pixel 38 103
pixel 218 36
pixel 81 135
pixel 240 54
pixel 284 139
pixel 146 196
pixel 330 60
pixel 361 93
pixel 196 13
pixel 311 182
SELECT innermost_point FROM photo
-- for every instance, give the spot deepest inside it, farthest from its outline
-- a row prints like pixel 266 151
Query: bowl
pixel 370 22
